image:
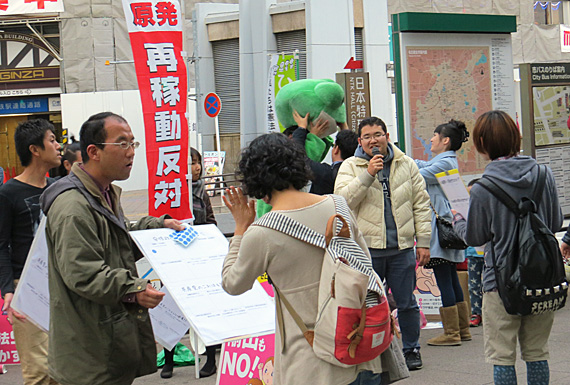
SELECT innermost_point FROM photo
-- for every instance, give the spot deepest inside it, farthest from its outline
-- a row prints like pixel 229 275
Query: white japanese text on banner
pixel 155 29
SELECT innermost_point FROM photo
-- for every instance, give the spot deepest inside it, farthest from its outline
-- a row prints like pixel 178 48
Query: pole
pixel 218 147
pixel 196 355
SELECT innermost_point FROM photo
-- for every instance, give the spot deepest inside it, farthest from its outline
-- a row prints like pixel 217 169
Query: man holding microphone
pixel 388 196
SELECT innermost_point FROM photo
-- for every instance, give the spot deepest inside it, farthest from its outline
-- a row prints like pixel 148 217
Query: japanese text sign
pixel 249 360
pixel 282 71
pixel 8 352
pixel 155 29
pixel 16 7
pixel 356 96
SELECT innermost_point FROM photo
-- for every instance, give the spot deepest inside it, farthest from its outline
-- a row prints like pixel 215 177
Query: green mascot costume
pixel 320 98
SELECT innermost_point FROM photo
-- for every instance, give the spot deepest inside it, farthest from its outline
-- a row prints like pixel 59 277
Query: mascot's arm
pixel 317 148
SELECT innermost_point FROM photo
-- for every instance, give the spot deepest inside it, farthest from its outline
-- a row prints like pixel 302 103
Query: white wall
pixel 78 107
pixel 376 55
pixel 330 37
pixel 256 41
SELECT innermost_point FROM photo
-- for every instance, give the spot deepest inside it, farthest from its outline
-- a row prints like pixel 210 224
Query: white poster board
pixel 168 322
pixel 31 297
pixel 456 192
pixel 193 274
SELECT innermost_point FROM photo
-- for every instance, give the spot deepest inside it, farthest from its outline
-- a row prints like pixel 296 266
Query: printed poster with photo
pixel 249 361
pixel 213 165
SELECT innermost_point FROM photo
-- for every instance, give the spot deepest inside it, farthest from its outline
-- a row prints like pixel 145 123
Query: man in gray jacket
pixel 100 331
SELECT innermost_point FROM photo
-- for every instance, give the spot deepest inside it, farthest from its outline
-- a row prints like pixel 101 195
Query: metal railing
pixel 221 181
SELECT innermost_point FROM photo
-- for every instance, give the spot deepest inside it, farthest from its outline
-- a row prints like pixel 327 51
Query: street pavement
pixel 455 365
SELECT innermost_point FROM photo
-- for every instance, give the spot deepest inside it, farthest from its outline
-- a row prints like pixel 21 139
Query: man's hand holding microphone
pixel 376 164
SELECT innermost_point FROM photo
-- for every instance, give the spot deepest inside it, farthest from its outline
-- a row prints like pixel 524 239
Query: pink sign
pixel 249 361
pixel 8 352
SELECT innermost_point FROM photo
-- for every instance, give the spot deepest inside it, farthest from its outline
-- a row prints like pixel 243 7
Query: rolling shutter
pixel 288 42
pixel 227 84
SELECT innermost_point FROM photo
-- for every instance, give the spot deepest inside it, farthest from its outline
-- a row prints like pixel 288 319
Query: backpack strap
pixel 286 225
pixel 495 190
pixel 539 188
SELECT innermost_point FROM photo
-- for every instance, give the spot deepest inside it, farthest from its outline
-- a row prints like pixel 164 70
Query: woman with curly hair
pixel 446 140
pixel 274 169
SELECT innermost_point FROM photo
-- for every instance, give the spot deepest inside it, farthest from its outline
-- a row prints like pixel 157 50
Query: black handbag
pixel 446 235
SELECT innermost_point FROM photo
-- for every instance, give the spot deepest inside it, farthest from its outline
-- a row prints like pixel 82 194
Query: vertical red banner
pixel 155 30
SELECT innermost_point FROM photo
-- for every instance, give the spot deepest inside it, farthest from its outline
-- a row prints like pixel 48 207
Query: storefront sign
pixel 155 30
pixel 16 7
pixel 30 91
pixel 564 38
pixel 23 106
pixel 26 63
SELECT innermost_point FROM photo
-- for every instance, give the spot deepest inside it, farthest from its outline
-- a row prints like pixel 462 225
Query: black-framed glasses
pixel 124 144
pixel 377 135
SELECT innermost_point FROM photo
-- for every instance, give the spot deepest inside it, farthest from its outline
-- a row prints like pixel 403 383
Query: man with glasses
pixel 388 196
pixel 100 331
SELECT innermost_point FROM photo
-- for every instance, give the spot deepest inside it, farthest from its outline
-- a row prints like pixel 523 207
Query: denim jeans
pixel 367 378
pixel 400 273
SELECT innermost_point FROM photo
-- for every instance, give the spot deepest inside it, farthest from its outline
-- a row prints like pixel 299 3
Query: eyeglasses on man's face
pixel 124 144
pixel 376 135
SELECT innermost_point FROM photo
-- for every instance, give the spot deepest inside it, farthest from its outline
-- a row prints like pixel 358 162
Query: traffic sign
pixel 212 104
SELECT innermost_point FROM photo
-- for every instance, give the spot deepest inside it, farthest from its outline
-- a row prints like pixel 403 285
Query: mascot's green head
pixel 312 96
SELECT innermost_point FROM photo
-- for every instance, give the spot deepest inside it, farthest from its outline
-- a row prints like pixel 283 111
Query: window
pixel 549 12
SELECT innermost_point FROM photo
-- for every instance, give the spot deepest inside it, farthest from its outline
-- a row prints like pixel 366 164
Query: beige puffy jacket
pixel 410 201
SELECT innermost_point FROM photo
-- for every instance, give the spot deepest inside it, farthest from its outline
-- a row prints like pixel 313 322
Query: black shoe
pixel 413 359
pixel 167 370
pixel 208 370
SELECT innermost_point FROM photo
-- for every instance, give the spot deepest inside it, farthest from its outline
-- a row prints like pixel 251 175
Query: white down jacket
pixel 410 201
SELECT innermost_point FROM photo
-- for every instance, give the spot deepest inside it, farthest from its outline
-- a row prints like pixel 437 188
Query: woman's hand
pixel 301 122
pixel 242 210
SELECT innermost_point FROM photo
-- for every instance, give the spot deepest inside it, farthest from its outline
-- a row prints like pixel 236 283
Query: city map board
pixel 551 110
pixel 453 77
pixel 545 88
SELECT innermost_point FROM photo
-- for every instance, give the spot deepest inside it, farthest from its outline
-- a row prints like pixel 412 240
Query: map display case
pixel 545 100
pixel 450 66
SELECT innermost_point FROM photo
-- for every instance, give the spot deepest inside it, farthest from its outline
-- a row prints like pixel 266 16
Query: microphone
pixel 376 151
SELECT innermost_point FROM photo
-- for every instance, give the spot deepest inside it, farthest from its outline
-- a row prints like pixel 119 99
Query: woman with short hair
pixel 491 223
